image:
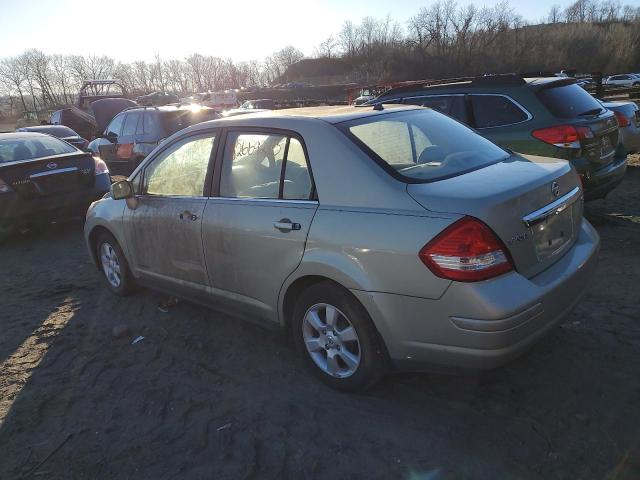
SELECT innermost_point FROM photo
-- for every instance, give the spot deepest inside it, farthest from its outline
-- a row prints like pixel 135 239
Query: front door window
pixel 181 170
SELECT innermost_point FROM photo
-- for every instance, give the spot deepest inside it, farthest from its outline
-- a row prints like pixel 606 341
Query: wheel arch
pixel 92 241
pixel 297 286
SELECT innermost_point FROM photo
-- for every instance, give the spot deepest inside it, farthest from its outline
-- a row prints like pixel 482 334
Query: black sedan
pixel 43 178
pixel 61 132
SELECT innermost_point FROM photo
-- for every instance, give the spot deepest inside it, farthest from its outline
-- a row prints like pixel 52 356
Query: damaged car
pixel 43 178
pixel 387 237
pixel 134 132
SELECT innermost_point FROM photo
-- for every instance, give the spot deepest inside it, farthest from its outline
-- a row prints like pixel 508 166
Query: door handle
pixel 187 215
pixel 286 225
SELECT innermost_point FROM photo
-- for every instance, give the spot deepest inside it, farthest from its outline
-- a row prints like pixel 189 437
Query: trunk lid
pixel 600 150
pixel 504 195
pixel 570 104
pixel 48 176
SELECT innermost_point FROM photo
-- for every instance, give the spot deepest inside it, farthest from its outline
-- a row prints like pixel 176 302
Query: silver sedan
pixel 383 238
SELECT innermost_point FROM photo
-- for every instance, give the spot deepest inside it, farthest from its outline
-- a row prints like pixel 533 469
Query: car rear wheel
pixel 114 265
pixel 336 338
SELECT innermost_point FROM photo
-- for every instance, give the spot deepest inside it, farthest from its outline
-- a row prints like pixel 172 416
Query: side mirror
pixel 121 190
pixel 112 137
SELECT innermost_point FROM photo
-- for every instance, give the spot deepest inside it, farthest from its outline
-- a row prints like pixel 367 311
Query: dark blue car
pixel 43 178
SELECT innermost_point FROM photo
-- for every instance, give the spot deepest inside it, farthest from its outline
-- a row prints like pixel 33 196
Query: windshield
pixel 422 145
pixel 569 101
pixel 21 148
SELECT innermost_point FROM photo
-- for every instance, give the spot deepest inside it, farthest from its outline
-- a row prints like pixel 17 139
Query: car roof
pixel 493 83
pixel 330 114
pixel 168 108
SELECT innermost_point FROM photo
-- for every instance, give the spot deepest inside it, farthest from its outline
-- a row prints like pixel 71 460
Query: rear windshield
pixel 59 131
pixel 177 120
pixel 15 149
pixel 422 145
pixel 569 101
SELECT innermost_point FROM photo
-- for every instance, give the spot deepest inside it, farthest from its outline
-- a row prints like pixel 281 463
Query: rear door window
pixel 297 180
pixel 151 123
pixel 265 165
pixel 496 111
pixel 177 120
pixel 568 101
pixel 131 124
pixel 452 105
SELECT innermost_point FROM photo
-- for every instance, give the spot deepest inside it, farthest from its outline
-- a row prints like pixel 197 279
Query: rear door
pixel 150 132
pixel 255 230
pixel 107 146
pixel 126 140
pixel 163 232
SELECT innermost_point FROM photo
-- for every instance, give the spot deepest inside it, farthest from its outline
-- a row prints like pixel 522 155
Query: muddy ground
pixel 207 396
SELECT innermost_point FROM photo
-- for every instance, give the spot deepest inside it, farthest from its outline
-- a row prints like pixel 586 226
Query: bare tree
pixel 555 14
pixel 327 48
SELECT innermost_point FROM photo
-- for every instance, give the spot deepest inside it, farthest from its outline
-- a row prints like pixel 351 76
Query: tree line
pixel 440 40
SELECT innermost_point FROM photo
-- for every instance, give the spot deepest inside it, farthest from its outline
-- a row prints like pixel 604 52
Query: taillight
pixel 101 167
pixel 563 136
pixel 5 187
pixel 466 251
pixel 622 120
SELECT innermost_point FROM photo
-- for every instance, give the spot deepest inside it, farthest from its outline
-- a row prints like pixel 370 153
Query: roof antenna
pixel 378 106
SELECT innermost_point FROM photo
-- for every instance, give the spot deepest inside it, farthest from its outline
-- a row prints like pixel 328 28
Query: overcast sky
pixel 131 30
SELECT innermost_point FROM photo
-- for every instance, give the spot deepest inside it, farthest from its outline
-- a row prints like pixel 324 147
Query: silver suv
pixel 392 236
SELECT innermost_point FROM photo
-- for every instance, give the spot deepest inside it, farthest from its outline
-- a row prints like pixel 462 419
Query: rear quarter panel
pixel 373 251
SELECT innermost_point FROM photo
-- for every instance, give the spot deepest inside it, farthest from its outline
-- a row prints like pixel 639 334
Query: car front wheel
pixel 336 338
pixel 114 265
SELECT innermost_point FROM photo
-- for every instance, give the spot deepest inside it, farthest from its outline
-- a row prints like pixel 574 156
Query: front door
pixel 164 231
pixel 255 230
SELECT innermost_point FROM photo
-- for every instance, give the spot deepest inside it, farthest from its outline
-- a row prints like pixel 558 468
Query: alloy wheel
pixel 331 340
pixel 110 264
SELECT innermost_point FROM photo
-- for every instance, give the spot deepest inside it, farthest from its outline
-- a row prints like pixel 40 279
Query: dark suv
pixel 552 117
pixel 133 133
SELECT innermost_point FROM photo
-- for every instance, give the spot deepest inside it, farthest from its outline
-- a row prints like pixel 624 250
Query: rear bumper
pixel 485 324
pixel 16 211
pixel 602 181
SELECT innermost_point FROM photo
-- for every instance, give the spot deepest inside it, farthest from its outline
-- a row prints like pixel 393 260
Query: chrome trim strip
pixel 235 199
pixel 553 208
pixel 261 200
pixel 54 172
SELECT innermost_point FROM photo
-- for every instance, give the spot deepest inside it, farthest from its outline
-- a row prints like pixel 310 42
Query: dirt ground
pixel 206 396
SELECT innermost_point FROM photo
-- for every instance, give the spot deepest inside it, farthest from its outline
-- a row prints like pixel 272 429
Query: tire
pixel 342 360
pixel 114 266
